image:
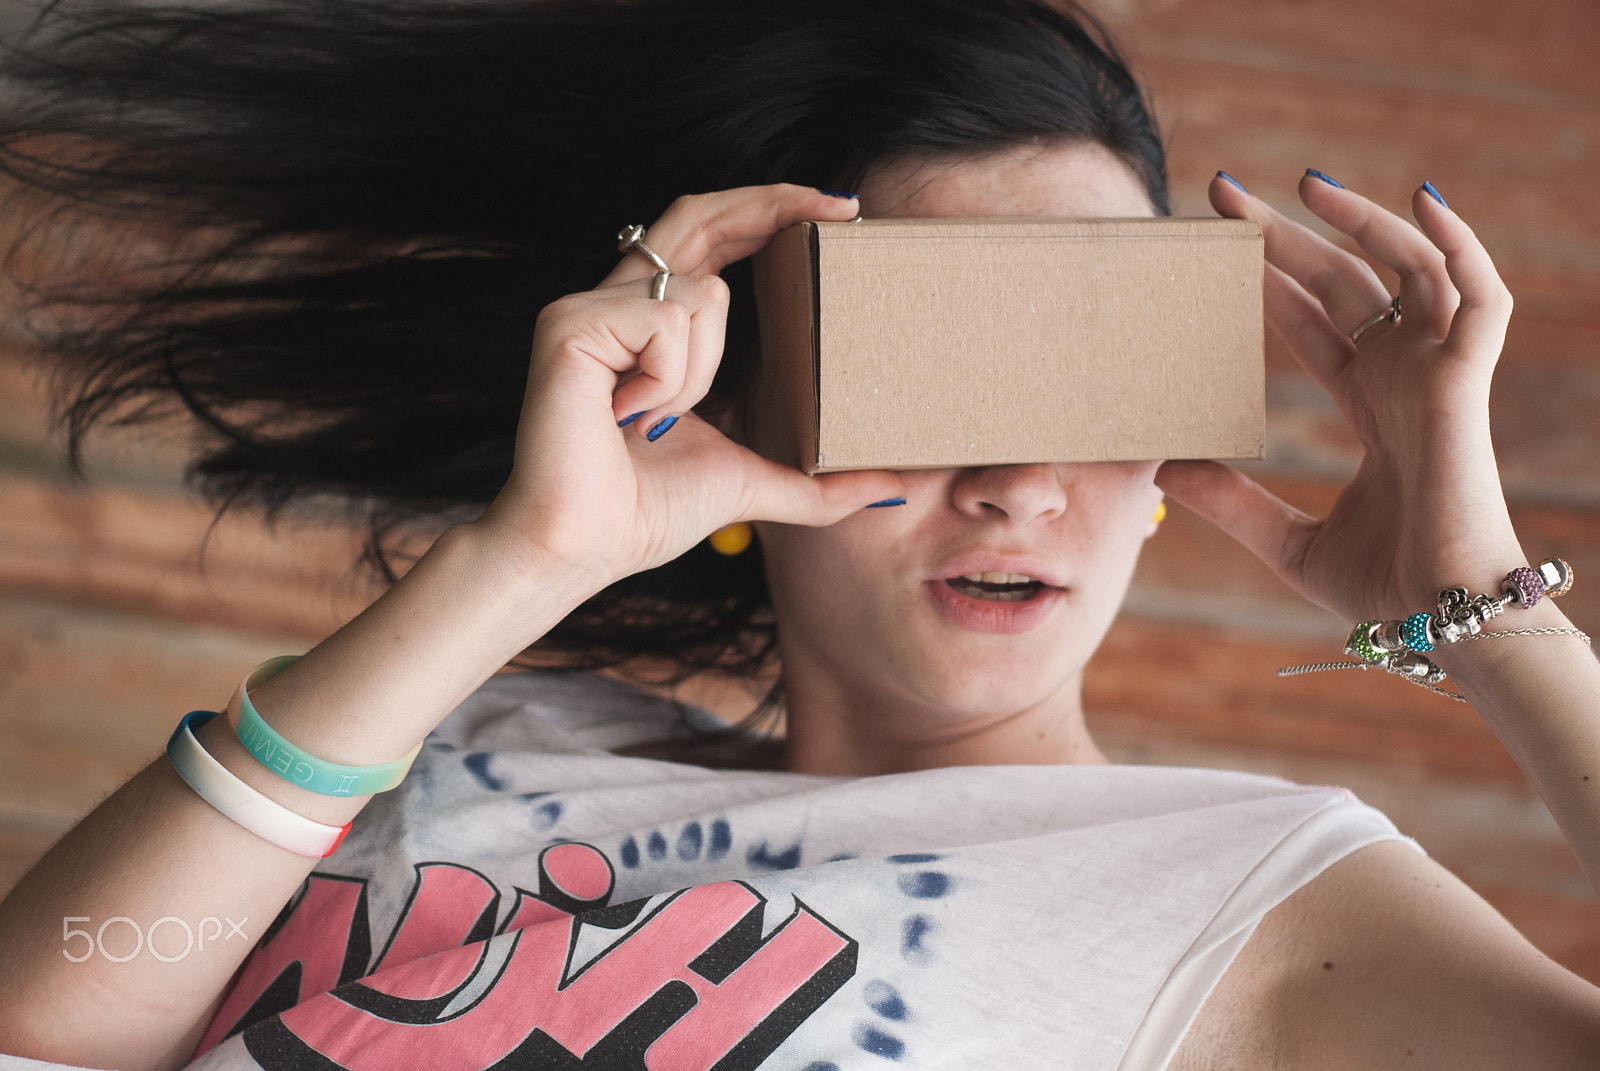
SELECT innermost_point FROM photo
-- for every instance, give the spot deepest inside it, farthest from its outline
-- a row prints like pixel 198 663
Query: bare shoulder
pixel 1386 959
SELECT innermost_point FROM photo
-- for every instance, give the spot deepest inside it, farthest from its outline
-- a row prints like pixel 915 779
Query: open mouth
pixel 996 587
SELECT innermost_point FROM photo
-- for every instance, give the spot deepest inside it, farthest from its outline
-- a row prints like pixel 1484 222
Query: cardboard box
pixel 934 343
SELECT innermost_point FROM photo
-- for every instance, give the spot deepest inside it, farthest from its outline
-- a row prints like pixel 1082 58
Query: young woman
pixel 940 868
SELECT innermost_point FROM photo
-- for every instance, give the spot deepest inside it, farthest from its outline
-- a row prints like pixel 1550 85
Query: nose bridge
pixel 1022 492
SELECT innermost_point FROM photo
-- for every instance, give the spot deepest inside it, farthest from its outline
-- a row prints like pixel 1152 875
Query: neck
pixel 838 730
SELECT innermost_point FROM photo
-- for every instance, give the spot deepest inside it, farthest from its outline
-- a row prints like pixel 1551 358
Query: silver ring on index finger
pixel 631 239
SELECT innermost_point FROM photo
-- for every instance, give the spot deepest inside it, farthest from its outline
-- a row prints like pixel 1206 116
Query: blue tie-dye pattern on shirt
pixel 477 764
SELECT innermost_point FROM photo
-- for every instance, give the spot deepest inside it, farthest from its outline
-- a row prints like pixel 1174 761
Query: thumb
pixel 788 496
pixel 1263 523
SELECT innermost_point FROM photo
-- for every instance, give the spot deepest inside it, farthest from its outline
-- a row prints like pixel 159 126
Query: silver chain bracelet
pixel 1400 647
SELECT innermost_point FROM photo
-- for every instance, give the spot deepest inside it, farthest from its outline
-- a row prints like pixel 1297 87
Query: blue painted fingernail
pixel 835 193
pixel 661 429
pixel 1230 180
pixel 1314 173
pixel 886 502
pixel 630 420
pixel 1427 187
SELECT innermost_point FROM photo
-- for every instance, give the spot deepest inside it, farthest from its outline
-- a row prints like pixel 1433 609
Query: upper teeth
pixel 998 578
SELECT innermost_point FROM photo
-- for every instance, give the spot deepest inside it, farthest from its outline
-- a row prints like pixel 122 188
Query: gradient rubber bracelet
pixel 299 767
pixel 261 815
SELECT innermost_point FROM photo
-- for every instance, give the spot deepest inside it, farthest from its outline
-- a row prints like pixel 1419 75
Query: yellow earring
pixel 731 540
pixel 1161 512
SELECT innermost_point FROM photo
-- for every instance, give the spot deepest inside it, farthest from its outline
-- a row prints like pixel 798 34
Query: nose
pixel 1017 493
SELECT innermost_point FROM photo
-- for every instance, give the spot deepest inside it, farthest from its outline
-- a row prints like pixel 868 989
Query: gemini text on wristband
pixel 261 815
pixel 299 767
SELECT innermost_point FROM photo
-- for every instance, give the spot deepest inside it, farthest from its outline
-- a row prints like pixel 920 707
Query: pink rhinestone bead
pixel 1524 585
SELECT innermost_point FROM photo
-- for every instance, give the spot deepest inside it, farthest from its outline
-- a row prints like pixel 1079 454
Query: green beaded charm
pixel 1360 643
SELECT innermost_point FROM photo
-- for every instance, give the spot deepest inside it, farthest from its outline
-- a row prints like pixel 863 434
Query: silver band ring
pixel 1391 314
pixel 631 239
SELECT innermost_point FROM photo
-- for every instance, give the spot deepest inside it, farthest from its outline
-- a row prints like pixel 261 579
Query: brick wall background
pixel 112 622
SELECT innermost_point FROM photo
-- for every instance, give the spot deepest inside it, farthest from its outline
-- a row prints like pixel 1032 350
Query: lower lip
pixel 989 615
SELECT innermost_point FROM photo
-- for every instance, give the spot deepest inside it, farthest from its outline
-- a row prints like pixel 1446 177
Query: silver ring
pixel 658 285
pixel 630 239
pixel 1391 314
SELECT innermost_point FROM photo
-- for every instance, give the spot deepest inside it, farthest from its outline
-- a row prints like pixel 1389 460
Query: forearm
pixel 155 849
pixel 1541 695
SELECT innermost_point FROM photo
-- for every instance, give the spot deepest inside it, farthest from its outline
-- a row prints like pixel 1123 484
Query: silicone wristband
pixel 299 767
pixel 261 815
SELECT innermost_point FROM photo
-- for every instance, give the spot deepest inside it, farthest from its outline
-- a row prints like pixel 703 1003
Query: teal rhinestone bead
pixel 1414 630
pixel 1360 643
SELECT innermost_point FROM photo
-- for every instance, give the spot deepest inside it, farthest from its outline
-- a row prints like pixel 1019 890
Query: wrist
pixel 516 577
pixel 370 692
pixel 1478 564
pixel 534 558
pixel 1491 651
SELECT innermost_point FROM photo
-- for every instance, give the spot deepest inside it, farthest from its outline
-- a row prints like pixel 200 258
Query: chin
pixel 991 685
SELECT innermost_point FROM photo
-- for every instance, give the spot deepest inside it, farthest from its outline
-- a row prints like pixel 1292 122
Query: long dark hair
pixel 358 207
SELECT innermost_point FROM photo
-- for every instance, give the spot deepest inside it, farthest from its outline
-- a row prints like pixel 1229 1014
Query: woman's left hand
pixel 1425 510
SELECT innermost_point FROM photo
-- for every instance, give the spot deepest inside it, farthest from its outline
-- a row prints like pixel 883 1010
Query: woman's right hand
pixel 586 504
pixel 608 500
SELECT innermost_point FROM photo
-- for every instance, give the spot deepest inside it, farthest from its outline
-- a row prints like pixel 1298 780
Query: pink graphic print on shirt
pixel 681 984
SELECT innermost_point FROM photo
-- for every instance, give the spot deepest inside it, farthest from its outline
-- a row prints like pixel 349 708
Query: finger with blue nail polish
pixel 676 369
pixel 1230 180
pixel 660 428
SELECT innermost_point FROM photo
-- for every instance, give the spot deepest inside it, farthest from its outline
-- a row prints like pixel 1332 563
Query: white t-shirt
pixel 528 899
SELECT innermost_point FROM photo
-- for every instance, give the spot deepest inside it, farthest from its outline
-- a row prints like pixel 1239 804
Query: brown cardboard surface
pixel 785 428
pixel 903 343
